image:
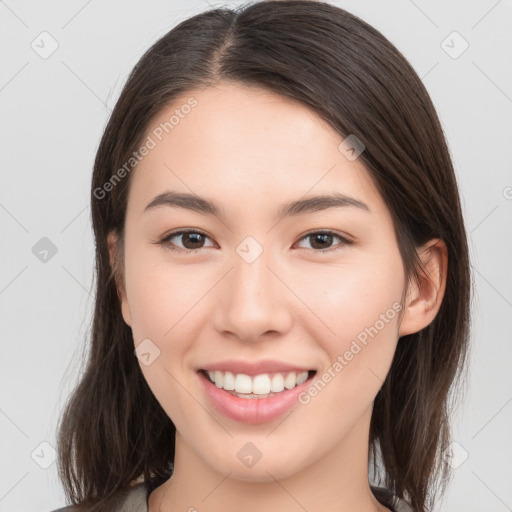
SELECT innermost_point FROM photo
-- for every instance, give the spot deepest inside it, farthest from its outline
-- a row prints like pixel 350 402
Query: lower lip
pixel 252 410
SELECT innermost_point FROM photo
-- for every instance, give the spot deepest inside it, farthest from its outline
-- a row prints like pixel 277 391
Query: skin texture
pixel 251 151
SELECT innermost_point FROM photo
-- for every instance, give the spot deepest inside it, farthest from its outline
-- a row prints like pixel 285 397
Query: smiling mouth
pixel 260 386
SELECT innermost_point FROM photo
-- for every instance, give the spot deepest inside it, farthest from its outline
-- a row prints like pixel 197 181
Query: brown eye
pixel 191 241
pixel 321 241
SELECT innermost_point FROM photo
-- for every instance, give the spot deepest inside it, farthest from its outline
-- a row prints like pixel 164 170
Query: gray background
pixel 53 111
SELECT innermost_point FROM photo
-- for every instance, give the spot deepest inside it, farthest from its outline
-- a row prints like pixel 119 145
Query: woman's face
pixel 256 285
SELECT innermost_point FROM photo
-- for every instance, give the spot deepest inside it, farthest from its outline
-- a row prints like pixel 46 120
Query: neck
pixel 337 480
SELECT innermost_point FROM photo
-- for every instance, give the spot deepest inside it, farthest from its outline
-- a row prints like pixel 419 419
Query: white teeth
pixel 243 383
pixel 261 384
pixel 302 377
pixel 229 381
pixel 290 381
pixel 219 378
pixel 277 383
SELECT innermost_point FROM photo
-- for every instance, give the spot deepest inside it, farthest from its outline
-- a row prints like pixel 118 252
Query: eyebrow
pixel 300 207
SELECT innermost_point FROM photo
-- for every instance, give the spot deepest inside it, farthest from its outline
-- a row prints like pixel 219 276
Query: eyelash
pixel 166 241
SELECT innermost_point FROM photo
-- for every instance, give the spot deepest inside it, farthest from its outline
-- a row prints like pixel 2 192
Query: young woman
pixel 283 282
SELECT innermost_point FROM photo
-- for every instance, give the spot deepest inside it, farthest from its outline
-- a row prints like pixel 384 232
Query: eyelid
pixel 345 240
pixel 165 240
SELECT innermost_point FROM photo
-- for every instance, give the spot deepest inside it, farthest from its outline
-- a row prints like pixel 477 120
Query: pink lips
pixel 251 410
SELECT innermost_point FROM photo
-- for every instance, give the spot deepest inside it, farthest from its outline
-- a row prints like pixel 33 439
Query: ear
pixel 112 240
pixel 424 300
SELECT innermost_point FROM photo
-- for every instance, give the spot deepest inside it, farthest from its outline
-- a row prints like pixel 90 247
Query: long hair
pixel 113 431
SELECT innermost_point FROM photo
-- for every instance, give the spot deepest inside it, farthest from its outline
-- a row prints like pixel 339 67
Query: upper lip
pixel 254 367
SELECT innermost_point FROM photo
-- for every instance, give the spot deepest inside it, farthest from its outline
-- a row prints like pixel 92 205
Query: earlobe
pixel 425 297
pixel 112 240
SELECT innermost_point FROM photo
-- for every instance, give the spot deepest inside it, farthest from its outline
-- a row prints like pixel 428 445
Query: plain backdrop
pixel 53 110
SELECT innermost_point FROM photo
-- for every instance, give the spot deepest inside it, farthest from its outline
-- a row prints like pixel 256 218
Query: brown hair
pixel 113 430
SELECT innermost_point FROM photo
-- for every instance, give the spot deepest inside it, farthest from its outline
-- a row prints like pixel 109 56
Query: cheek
pixel 357 307
pixel 160 295
pixel 162 309
pixel 347 298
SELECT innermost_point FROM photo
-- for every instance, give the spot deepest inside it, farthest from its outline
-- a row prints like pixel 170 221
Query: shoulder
pixel 129 500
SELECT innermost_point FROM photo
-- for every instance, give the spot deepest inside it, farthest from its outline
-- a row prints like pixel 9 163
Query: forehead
pixel 233 119
pixel 230 138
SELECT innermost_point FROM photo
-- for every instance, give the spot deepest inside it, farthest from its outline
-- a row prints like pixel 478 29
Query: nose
pixel 253 301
